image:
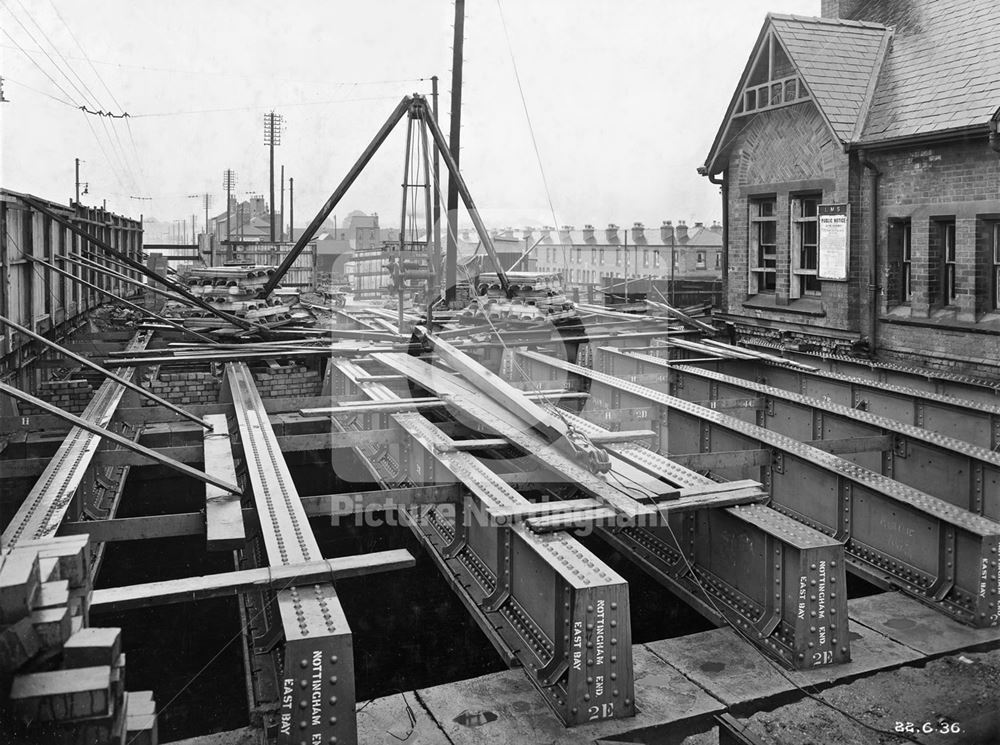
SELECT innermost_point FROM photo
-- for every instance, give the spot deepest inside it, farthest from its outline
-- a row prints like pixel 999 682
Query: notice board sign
pixel 834 241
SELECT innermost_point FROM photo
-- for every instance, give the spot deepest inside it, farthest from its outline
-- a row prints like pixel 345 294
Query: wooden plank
pixel 870 444
pixel 223 511
pixel 723 460
pixel 281 577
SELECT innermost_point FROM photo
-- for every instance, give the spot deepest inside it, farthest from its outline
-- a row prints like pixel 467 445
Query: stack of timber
pixel 62 681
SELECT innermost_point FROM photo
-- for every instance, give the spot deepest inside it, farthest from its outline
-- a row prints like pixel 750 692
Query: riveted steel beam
pixel 318 656
pixel 894 534
pixel 545 602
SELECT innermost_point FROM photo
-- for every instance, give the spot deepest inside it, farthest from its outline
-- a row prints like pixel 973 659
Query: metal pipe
pixel 117 438
pixel 873 178
pixel 432 279
pixel 310 232
pixel 437 193
pixel 105 372
pixel 401 272
pixel 137 265
pixel 463 190
pixel 121 300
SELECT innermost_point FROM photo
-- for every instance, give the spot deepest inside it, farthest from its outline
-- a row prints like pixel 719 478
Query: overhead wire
pixel 93 98
pixel 41 69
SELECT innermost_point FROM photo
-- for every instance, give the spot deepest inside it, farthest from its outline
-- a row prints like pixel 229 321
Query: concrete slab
pixel 734 672
pixel 503 708
pixel 870 651
pixel 916 625
pixel 724 664
pixel 393 719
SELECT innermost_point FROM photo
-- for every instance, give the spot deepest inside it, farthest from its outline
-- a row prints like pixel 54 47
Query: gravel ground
pixel 959 692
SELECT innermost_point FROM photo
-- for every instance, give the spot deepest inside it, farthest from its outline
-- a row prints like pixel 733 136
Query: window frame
pixel 804 280
pixel 757 270
pixel 994 260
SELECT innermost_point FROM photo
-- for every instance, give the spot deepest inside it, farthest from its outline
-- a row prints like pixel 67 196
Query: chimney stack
pixel 681 231
pixel 638 232
pixel 844 8
pixel 611 233
pixel 588 234
pixel 715 227
pixel 565 234
pixel 526 234
pixel 667 232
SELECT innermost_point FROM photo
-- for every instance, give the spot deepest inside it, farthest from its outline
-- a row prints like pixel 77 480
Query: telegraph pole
pixel 291 209
pixel 228 183
pixel 272 137
pixel 281 214
pixel 451 255
pixel 77 180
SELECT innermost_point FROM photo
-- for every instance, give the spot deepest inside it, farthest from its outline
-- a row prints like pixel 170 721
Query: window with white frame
pixel 762 260
pixel 948 244
pixel 805 245
pixel 699 260
pixel 994 256
pixel 900 262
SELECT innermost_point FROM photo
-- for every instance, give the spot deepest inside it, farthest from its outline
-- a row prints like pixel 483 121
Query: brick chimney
pixel 638 232
pixel 681 231
pixel 844 8
pixel 546 233
pixel 565 234
pixel 588 234
pixel 666 232
pixel 715 227
pixel 526 234
pixel 611 233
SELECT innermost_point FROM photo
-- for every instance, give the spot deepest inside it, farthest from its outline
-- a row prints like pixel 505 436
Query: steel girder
pixel 545 601
pixel 317 682
pixel 894 534
pixel 975 422
pixel 57 488
pixel 746 565
pixel 957 472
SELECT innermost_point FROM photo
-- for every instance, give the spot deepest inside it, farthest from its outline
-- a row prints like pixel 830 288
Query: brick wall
pixel 287 381
pixel 929 186
pixel 71 395
pixel 782 153
pixel 184 388
pixel 950 349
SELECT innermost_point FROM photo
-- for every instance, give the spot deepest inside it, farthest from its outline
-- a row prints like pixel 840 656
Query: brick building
pixel 860 167
pixel 593 258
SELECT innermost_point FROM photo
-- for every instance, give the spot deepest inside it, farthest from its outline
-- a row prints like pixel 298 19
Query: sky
pixel 573 111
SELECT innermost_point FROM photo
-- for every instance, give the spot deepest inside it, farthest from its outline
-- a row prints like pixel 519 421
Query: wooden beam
pixel 232 583
pixel 870 444
pixel 223 512
pixel 723 459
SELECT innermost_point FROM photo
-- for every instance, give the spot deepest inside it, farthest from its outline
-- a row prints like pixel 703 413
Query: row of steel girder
pixel 894 535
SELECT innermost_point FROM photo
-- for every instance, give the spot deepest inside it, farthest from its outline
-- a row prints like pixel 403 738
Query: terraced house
pixel 860 168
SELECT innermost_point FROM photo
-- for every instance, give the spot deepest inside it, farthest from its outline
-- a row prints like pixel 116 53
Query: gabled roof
pixel 839 61
pixel 913 67
pixel 944 69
